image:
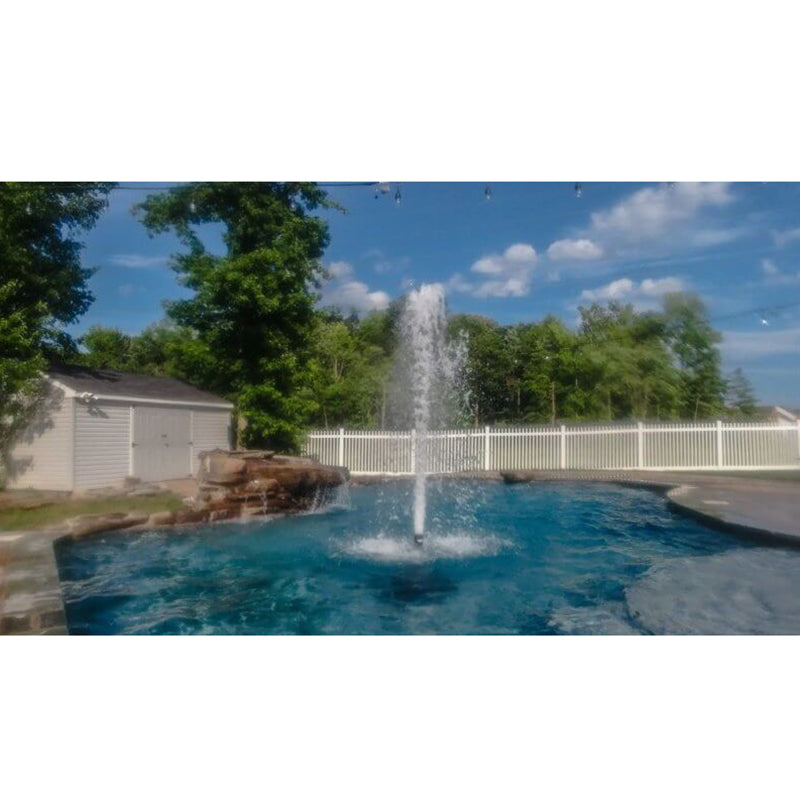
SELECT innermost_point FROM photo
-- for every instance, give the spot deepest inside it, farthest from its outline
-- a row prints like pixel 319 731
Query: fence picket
pixel 657 446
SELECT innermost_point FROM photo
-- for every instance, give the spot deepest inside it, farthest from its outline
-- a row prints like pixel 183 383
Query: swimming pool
pixel 542 558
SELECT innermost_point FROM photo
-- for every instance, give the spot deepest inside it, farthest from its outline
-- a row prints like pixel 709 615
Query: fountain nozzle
pixel 418 539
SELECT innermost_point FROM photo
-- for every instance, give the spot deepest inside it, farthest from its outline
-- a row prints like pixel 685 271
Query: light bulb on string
pixel 193 207
pixel 397 196
pixel 762 318
pixel 487 192
pixel 578 189
pixel 27 208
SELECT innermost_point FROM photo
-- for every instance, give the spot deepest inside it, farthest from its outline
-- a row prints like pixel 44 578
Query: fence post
pixel 486 453
pixel 719 444
pixel 341 447
pixel 413 450
pixel 640 445
pixel 798 439
pixel 562 461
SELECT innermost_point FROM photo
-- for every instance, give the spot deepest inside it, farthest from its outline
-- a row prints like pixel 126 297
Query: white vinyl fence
pixel 657 446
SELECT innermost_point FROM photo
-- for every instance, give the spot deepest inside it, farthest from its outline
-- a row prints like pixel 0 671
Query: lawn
pixel 18 519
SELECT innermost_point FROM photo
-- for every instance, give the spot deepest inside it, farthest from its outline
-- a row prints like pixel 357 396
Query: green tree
pixel 40 255
pixel 252 312
pixel 487 369
pixel 43 286
pixel 694 343
pixel 740 395
pixel 107 348
pixel 630 367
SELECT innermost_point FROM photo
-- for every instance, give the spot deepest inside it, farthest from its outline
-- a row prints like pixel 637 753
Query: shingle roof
pixel 128 384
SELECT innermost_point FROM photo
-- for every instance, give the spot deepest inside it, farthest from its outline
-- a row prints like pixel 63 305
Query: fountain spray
pixel 423 328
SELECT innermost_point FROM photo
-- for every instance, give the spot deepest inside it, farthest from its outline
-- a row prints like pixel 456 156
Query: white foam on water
pixel 609 619
pixel 748 591
pixel 401 549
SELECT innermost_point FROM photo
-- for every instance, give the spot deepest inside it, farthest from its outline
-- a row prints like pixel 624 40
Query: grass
pixel 20 519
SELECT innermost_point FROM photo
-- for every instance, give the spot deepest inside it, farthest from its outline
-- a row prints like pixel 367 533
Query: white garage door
pixel 161 443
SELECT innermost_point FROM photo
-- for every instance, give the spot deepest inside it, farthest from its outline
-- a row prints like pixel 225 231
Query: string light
pixel 397 196
pixel 578 189
pixel 487 192
pixel 193 207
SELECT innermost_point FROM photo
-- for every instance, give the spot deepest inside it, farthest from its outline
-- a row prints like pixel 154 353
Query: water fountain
pixel 432 365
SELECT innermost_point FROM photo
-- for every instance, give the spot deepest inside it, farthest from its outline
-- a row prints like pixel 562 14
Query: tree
pixel 107 348
pixel 39 254
pixel 21 364
pixel 694 343
pixel 43 286
pixel 630 365
pixel 252 313
pixel 740 395
pixel 487 368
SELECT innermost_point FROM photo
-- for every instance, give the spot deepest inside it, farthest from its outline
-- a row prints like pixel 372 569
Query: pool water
pixel 499 559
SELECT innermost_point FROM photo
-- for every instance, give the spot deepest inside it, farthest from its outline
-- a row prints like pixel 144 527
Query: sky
pixel 527 250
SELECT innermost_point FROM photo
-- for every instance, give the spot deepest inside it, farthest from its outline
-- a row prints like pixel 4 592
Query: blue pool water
pixel 499 559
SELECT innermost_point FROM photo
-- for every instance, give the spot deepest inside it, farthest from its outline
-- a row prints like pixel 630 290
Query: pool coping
pixel 768 511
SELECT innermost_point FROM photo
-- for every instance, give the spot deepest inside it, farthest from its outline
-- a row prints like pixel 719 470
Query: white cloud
pixel 642 295
pixel 508 274
pixel 760 344
pixel 654 221
pixel 652 212
pixel 774 276
pixel 344 292
pixel 574 250
pixel 768 267
pixel 714 236
pixel 340 269
pixel 616 290
pixel 137 261
pixel 126 289
pixel 382 263
pixel 782 238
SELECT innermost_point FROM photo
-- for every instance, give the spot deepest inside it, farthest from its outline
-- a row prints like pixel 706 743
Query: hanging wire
pixel 762 313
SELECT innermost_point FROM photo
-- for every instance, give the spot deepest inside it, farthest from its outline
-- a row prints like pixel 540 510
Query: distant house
pixel 778 414
pixel 98 427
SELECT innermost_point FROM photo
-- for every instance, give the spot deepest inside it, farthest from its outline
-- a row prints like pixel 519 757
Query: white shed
pixel 98 427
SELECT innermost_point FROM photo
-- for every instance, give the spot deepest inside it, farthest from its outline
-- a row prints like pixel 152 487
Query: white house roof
pixel 106 383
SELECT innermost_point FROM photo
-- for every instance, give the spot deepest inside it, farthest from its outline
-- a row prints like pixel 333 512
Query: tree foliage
pixel 43 286
pixel 740 396
pixel 251 316
pixel 619 364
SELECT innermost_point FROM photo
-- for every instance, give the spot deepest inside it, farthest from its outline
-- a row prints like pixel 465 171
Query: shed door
pixel 161 443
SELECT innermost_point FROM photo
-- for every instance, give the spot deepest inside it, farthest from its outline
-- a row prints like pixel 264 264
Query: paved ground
pixel 30 594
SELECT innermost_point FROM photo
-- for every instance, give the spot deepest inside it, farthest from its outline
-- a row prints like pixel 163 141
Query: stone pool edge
pixel 31 601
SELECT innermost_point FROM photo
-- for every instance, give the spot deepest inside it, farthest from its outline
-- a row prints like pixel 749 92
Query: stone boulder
pixel 248 482
pixel 518 476
pixel 95 523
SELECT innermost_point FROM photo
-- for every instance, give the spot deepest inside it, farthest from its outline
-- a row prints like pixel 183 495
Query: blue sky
pixel 532 249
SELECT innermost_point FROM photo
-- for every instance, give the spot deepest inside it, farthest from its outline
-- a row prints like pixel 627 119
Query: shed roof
pixel 110 383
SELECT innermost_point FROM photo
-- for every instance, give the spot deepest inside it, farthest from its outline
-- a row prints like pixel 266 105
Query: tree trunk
pixel 552 402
